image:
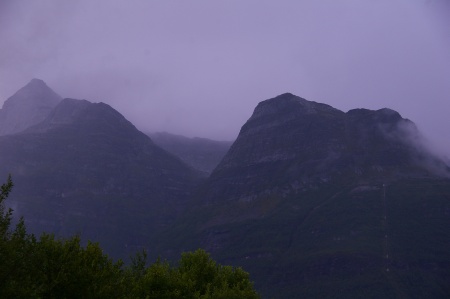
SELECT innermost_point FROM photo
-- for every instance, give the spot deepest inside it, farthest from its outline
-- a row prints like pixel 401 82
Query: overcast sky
pixel 199 68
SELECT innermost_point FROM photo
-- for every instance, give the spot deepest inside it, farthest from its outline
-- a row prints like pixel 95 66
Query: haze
pixel 198 68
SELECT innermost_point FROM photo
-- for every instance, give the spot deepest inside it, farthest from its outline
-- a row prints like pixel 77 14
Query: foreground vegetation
pixel 47 267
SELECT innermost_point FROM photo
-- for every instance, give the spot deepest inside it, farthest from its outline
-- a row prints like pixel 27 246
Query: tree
pixel 196 276
pixel 61 268
pixel 207 279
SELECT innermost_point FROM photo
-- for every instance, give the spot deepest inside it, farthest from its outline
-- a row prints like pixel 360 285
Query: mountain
pixel 28 106
pixel 305 144
pixel 200 153
pixel 86 169
pixel 318 203
pixel 314 202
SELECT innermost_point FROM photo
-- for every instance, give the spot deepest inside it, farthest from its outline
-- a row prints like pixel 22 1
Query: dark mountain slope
pixel 318 203
pixel 86 169
pixel 291 144
pixel 27 107
pixel 200 153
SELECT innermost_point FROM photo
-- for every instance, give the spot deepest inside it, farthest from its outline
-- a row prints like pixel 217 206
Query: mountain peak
pixel 37 82
pixel 35 91
pixel 292 144
pixel 288 103
pixel 28 106
pixel 284 109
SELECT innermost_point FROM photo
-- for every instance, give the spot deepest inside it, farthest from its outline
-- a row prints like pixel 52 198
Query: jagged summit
pixel 27 107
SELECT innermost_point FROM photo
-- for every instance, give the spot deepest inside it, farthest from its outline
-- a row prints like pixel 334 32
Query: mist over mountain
pixel 312 201
pixel 28 106
pixel 203 67
pixel 200 153
pixel 86 169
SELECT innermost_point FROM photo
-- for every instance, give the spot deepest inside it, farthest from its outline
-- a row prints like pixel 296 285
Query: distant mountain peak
pixel 37 82
pixel 35 91
pixel 27 107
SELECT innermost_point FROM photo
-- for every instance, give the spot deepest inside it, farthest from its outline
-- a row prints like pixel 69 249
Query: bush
pixel 61 268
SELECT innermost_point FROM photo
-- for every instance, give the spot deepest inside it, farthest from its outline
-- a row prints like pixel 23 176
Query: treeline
pixel 47 267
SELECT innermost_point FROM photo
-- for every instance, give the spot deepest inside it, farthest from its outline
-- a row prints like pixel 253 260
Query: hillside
pixel 318 203
pixel 86 169
pixel 312 201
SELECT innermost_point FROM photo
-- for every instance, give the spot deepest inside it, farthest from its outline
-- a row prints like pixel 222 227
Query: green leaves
pixel 62 268
pixel 197 276
pixel 71 271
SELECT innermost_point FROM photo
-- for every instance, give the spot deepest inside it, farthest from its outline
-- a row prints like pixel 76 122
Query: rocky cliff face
pixel 27 107
pixel 290 145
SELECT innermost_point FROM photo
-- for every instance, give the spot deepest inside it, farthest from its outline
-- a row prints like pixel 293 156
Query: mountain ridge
pixel 312 201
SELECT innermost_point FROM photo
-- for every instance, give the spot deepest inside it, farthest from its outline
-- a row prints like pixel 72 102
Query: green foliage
pixel 197 276
pixel 70 271
pixel 48 267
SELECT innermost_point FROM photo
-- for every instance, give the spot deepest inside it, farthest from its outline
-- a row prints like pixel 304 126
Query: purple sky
pixel 199 68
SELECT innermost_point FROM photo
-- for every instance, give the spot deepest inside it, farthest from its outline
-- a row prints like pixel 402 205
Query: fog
pixel 198 68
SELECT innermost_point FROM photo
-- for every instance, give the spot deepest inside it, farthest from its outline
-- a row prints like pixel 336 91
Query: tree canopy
pixel 50 267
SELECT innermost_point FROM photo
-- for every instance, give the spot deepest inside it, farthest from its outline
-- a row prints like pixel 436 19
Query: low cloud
pixel 424 153
pixel 200 68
